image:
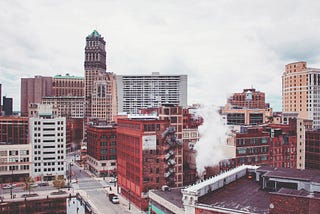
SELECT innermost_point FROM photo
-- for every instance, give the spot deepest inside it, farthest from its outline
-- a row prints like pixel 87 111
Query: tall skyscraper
pixel 301 90
pixel 7 106
pixel 147 91
pixel 32 91
pixel 99 84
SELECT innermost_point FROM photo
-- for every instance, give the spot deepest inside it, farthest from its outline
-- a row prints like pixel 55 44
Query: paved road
pixel 93 190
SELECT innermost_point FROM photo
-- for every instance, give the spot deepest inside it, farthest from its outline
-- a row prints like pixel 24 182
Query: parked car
pixel 43 184
pixel 113 198
pixel 113 180
pixel 9 186
pixel 34 185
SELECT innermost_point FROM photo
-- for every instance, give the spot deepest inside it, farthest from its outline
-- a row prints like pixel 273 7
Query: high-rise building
pixel 32 91
pixel 7 106
pixel 142 157
pixel 99 85
pixel 147 91
pixel 300 91
pixel 48 142
pixel 15 155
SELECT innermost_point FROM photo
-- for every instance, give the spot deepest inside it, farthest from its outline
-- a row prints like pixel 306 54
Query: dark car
pixel 43 184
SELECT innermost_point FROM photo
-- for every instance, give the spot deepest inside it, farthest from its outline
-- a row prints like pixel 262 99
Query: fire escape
pixel 171 142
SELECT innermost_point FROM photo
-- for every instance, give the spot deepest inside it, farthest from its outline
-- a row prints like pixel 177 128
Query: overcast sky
pixel 223 46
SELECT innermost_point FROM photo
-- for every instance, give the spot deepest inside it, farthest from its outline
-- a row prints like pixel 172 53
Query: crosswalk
pixel 89 185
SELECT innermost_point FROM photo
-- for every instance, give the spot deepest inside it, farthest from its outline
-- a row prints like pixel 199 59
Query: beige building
pixel 100 94
pixel 301 91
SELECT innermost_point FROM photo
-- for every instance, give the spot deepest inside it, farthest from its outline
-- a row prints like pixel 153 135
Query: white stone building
pixel 48 142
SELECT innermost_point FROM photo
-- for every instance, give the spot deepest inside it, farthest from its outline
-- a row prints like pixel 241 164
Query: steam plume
pixel 213 135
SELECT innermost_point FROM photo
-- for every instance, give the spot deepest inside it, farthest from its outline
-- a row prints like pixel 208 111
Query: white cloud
pixel 224 46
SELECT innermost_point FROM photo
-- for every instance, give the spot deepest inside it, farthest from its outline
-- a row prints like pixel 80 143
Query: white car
pixel 9 186
pixel 34 185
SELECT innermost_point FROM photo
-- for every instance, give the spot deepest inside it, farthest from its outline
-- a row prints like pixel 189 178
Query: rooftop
pixel 295 174
pixel 94 34
pixel 174 196
pixel 243 194
pixel 67 76
pixel 297 193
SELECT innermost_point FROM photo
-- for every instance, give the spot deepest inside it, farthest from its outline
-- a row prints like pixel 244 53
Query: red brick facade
pixel 141 154
pixel 293 204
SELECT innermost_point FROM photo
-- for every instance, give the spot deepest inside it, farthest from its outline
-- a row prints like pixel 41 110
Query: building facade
pixel 312 149
pixel 141 157
pixel 147 91
pixel 68 106
pixel 32 91
pixel 100 86
pixel 249 98
pixel 272 145
pixel 15 155
pixel 48 142
pixel 300 91
pixel 68 85
pixel 7 106
pixel 102 149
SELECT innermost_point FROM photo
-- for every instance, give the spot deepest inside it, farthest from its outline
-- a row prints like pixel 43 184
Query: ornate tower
pixel 94 65
pixel 100 92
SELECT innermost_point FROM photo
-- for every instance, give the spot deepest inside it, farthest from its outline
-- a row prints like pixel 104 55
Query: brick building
pixel 249 98
pixel 68 85
pixel 141 157
pixel 273 145
pixel 15 155
pixel 245 189
pixel 312 149
pixel 191 119
pixel 102 149
pixel 32 91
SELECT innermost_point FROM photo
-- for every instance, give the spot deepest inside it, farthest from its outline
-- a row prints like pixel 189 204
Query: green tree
pixel 29 181
pixel 59 182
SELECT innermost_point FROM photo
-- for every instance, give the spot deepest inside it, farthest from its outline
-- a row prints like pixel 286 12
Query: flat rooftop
pixel 174 196
pixel 295 174
pixel 242 194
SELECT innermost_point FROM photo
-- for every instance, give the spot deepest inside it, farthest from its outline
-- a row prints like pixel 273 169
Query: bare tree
pixel 29 181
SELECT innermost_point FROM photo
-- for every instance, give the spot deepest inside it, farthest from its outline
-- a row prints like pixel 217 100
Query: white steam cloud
pixel 213 138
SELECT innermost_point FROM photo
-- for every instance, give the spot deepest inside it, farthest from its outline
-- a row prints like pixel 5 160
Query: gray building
pixel 148 91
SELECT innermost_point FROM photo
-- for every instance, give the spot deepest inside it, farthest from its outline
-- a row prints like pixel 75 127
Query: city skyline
pixel 224 46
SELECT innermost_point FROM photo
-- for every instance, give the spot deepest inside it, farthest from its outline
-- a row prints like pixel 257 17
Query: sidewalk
pixel 123 201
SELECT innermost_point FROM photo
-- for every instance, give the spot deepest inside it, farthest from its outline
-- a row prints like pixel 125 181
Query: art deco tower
pixel 99 87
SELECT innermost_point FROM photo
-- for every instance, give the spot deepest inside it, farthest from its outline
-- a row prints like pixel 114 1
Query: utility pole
pixel 11 183
pixel 69 182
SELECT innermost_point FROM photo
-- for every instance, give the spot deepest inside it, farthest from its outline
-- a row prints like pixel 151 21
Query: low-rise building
pixel 245 189
pixel 101 156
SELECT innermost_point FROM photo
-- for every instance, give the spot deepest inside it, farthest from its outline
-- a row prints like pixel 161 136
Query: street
pixel 93 190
